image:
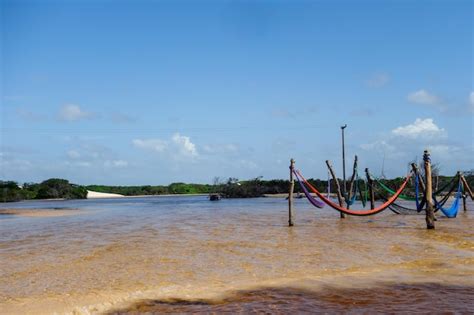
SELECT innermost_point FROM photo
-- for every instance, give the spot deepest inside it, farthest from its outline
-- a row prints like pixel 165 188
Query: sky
pixel 155 92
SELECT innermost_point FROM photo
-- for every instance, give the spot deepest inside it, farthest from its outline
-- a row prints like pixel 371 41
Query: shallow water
pixel 186 254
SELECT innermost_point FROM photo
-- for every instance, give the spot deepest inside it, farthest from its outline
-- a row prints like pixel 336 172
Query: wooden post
pixel 351 186
pixel 338 187
pixel 466 187
pixel 370 182
pixel 430 219
pixel 290 194
pixel 464 202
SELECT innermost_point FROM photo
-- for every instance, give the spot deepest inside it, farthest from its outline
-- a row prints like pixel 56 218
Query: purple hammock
pixel 312 200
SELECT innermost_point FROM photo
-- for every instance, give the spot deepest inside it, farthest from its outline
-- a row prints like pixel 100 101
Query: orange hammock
pixel 357 212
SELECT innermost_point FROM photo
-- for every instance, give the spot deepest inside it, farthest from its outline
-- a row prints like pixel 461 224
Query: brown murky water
pixel 180 255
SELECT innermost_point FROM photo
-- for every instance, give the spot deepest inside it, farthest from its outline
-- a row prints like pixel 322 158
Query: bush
pixel 9 191
pixel 60 188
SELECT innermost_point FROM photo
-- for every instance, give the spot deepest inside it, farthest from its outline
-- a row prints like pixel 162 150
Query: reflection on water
pixel 120 251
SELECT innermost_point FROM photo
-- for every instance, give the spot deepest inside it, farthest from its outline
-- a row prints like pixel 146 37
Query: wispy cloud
pixel 115 163
pixel 72 112
pixel 363 112
pixel 423 97
pixel 122 118
pixel 156 145
pixel 471 102
pixel 29 115
pixel 220 148
pixel 378 80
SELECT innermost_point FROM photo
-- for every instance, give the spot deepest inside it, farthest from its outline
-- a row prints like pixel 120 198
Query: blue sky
pixel 154 92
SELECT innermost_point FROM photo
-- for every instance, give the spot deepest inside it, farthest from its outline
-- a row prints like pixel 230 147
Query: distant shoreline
pixel 100 195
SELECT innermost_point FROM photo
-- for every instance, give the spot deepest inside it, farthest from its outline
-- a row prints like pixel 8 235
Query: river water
pixel 187 254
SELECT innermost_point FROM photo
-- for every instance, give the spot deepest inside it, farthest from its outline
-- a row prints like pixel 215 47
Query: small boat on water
pixel 214 197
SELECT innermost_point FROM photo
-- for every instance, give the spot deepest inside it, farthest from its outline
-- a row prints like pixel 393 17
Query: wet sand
pixel 406 298
pixel 180 255
pixel 38 213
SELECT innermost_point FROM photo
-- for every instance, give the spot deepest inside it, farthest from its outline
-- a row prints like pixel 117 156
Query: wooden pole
pixel 466 187
pixel 290 194
pixel 338 187
pixel 370 182
pixel 344 161
pixel 351 186
pixel 430 219
pixel 464 201
pixel 416 171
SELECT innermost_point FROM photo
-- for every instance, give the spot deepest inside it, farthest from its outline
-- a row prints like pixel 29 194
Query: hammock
pixel 421 205
pixel 438 205
pixel 352 212
pixel 364 195
pixel 399 209
pixel 357 190
pixel 453 210
pixel 311 199
pixel 353 198
pixel 404 197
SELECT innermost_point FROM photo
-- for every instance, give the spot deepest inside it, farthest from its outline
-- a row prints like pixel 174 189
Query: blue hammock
pixel 419 206
pixel 453 210
pixel 353 198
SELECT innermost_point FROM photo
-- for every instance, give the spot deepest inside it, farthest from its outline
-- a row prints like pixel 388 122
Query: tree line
pixel 229 188
pixel 52 188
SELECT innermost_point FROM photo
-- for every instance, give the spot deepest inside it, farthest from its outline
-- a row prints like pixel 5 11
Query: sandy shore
pixel 40 212
pixel 96 195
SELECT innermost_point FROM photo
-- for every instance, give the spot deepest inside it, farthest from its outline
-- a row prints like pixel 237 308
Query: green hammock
pixel 404 197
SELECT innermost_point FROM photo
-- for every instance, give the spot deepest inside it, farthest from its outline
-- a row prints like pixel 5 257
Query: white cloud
pixel 423 97
pixel 421 128
pixel 115 163
pixel 378 80
pixel 71 112
pixel 156 145
pixel 184 144
pixel 178 146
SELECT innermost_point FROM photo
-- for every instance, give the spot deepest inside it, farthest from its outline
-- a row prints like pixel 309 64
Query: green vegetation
pixel 60 188
pixel 230 188
pixel 51 188
pixel 174 188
